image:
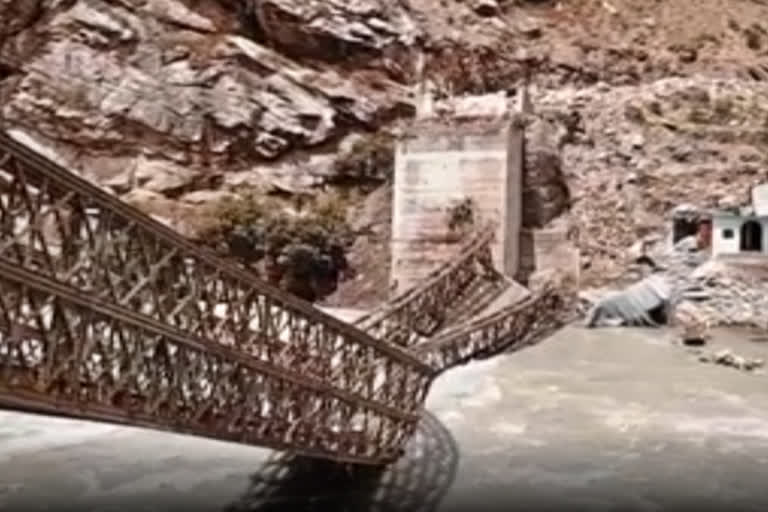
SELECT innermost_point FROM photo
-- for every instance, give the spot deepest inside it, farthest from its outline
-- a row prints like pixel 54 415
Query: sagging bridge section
pixel 106 314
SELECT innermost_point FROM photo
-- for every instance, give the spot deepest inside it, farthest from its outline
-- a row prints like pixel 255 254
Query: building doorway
pixel 704 236
pixel 751 236
pixel 683 228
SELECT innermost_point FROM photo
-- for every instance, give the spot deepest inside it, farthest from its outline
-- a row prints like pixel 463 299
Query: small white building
pixel 743 232
pixel 733 233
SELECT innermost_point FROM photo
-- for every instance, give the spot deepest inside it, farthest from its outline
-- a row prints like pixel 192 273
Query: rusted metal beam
pixel 94 286
pixel 95 360
pixel 107 314
pixel 112 233
pixel 466 284
pixel 509 328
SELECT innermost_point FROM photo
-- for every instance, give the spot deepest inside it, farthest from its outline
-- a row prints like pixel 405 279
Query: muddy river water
pixel 611 419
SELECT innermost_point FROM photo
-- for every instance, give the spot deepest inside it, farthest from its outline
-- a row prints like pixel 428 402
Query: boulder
pixel 486 7
pixel 333 29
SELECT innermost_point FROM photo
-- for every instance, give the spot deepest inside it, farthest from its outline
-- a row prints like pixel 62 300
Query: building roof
pixel 692 213
pixel 727 213
pixel 757 208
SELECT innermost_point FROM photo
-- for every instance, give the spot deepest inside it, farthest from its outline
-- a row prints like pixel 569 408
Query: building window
pixel 727 234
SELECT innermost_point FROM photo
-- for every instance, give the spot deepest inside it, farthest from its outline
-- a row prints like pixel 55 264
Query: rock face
pixel 17 15
pixel 334 29
pixel 637 152
pixel 545 194
pixel 167 96
pixel 172 104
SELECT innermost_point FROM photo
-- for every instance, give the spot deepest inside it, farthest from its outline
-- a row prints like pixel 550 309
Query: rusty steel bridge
pixel 108 315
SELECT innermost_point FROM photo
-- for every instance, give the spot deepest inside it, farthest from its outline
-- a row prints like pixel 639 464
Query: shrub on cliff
pixel 302 250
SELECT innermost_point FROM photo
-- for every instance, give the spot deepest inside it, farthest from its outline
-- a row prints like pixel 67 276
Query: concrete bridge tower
pixel 442 160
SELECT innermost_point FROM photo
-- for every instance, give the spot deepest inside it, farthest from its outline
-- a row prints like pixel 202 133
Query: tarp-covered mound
pixel 644 303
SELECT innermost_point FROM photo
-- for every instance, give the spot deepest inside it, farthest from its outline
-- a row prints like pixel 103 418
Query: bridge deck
pixel 108 315
pixel 572 423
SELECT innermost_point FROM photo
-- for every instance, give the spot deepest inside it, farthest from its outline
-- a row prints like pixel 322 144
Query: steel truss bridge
pixel 108 315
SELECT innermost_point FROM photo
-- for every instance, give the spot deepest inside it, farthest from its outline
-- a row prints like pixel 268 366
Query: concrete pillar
pixel 438 165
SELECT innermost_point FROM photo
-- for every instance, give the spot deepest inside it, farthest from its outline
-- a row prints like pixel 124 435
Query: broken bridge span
pixel 106 314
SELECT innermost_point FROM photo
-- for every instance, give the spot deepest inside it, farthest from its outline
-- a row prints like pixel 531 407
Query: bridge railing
pixel 420 312
pixel 69 233
pixel 90 358
pixel 511 327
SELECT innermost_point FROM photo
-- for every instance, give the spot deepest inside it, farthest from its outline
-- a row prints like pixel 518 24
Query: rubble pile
pixel 724 295
pixel 680 261
pixel 700 293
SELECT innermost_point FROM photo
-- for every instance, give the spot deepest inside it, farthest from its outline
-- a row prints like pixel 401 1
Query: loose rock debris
pixel 694 339
pixel 726 357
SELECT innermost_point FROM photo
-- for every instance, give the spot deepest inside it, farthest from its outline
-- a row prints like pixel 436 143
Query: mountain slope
pixel 175 104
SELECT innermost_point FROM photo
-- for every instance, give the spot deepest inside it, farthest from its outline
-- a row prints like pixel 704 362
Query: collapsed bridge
pixel 106 314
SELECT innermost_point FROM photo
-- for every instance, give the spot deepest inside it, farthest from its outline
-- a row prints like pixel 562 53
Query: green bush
pixel 304 252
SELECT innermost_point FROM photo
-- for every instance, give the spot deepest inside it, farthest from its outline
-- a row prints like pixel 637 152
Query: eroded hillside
pixel 177 105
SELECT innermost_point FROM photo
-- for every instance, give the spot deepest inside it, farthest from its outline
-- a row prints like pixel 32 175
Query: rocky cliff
pixel 175 104
pixel 173 97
